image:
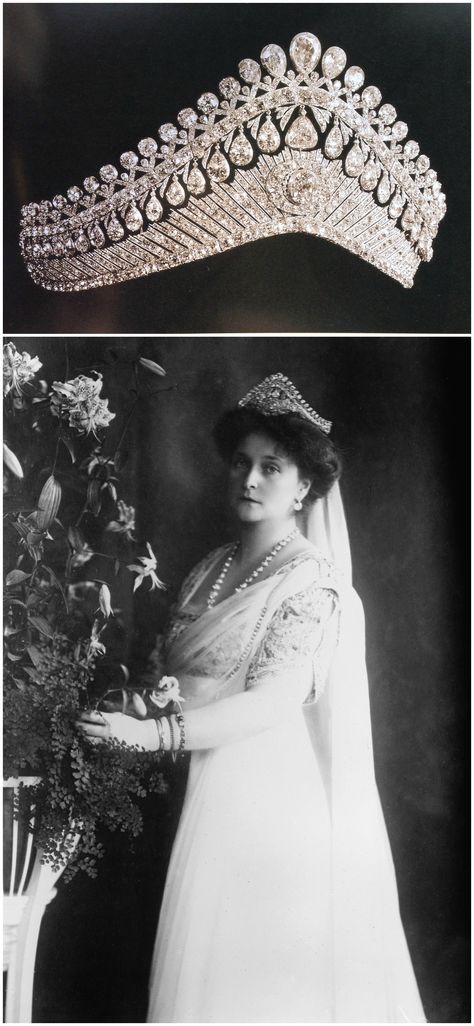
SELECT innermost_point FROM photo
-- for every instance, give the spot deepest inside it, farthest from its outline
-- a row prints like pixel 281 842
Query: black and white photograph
pixel 235 667
pixel 211 168
pixel 236 367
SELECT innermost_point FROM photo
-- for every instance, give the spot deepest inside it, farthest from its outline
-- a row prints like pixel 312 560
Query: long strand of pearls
pixel 214 592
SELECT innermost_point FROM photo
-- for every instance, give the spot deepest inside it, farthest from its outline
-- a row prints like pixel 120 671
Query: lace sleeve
pixel 302 632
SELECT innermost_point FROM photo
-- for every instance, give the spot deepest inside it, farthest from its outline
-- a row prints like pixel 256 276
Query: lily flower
pixel 147 569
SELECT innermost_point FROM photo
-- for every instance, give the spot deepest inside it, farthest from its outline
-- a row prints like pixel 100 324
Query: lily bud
pixel 48 503
pixel 152 366
pixel 105 600
pixel 12 462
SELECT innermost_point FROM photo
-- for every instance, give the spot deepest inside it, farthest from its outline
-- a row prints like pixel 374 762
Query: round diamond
pixel 273 59
pixel 305 51
pixel 400 130
pixel 229 87
pixel 59 202
pixel 129 160
pixel 302 186
pixel 430 177
pixel 423 162
pixel 372 97
pixel 387 114
pixel 186 118
pixel 74 193
pixel 168 132
pixel 207 103
pixel 250 71
pixel 411 149
pixel 334 61
pixel 354 78
pixel 91 184
pixel 147 147
pixel 108 173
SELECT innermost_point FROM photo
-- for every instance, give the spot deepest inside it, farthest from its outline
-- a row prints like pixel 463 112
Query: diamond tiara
pixel 276 395
pixel 286 150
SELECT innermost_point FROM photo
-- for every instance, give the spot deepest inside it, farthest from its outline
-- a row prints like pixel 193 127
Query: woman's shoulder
pixel 318 565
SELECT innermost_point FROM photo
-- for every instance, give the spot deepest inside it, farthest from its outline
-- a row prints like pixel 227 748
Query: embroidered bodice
pixel 300 635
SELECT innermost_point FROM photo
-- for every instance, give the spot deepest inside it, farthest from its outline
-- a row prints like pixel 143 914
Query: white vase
pixel 29 889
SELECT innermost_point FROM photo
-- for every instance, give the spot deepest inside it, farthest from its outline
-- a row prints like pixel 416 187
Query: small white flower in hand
pixel 167 690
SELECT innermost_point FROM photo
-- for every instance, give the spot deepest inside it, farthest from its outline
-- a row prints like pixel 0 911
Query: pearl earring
pixel 298 504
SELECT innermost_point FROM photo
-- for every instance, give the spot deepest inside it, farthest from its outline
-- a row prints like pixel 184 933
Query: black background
pixel 400 417
pixel 84 82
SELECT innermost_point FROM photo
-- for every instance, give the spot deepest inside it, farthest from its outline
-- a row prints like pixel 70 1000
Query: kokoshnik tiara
pixel 277 394
pixel 284 151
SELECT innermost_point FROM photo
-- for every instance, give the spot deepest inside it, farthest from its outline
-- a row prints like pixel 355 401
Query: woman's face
pixel 264 482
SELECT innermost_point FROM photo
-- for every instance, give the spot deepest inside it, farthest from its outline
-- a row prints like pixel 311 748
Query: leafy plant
pixel 69 546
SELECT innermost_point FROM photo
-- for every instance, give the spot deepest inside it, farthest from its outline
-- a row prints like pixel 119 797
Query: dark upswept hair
pixel 310 448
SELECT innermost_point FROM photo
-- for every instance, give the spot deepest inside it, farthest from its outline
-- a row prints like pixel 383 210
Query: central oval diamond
pixel 303 187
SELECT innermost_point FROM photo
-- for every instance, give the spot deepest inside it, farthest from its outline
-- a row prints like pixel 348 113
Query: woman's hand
pixel 102 726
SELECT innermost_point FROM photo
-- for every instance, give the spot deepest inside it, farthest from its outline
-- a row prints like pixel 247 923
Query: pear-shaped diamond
pixel 369 177
pixel 82 242
pixel 273 59
pixel 268 138
pixel 334 61
pixel 305 51
pixel 354 162
pixel 153 209
pixel 114 229
pixel 97 236
pixel 302 134
pixel 396 206
pixel 384 190
pixel 196 182
pixel 241 152
pixel 175 193
pixel 218 167
pixel 334 144
pixel 133 219
pixel 408 217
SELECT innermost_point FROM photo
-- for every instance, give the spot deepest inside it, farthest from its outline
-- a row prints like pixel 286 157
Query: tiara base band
pixel 283 194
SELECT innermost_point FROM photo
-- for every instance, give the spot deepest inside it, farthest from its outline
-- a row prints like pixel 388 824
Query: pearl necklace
pixel 255 573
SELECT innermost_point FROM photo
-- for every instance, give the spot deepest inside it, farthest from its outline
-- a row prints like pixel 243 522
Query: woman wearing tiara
pixel 281 901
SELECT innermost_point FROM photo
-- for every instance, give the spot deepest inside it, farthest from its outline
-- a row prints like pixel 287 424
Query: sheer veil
pixel 373 978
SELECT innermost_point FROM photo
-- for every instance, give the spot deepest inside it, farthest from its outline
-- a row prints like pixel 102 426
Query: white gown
pixel 246 929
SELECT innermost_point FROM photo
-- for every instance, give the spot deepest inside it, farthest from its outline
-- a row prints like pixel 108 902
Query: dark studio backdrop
pixel 84 82
pixel 400 417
